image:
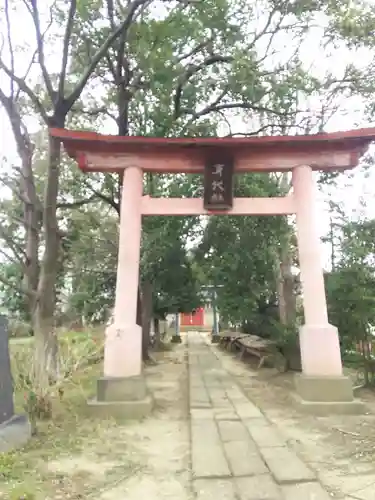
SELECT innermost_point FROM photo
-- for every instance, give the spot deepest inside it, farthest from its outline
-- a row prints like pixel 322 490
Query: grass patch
pixel 25 473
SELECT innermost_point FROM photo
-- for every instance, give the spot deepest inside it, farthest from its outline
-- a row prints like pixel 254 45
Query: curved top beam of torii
pixel 109 153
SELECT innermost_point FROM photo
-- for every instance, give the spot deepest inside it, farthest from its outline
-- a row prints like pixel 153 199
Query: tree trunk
pixel 146 319
pixel 157 332
pixel 31 203
pixel 281 296
pixel 43 318
pixel 289 298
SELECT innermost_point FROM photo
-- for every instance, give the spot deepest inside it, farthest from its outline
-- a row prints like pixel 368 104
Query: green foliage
pixel 351 285
pixel 13 300
pixel 238 255
pixel 351 301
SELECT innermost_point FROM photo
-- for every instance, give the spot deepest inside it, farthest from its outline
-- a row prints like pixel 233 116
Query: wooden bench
pixel 228 338
pixel 264 349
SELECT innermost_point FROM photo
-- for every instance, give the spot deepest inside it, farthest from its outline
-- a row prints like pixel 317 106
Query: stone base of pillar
pixel 320 395
pixel 14 433
pixel 176 339
pixel 322 389
pixel 123 398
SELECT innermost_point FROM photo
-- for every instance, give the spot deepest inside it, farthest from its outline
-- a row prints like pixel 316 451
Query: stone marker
pixel 6 384
pixel 15 430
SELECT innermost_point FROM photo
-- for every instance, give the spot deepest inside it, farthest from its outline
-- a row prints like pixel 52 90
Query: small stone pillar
pixel 176 338
pixel 122 390
pixel 15 430
pixel 215 331
pixel 321 386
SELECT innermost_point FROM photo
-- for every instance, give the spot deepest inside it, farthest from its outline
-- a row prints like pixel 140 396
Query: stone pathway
pixel 236 453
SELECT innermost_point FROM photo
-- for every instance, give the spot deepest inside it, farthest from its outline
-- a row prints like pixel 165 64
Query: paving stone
pixel 206 430
pixel 214 489
pixel 198 393
pixel 235 394
pixel 216 392
pixel 247 410
pixel 200 404
pixel 222 404
pixel 201 413
pixel 208 459
pixel 306 491
pixel 244 458
pixel 225 414
pixel 261 487
pixel 264 434
pixel 286 466
pixel 232 430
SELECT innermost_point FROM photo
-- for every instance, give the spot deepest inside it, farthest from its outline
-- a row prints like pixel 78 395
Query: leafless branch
pixel 192 70
pixel 102 110
pixel 67 36
pixel 111 13
pixel 7 17
pixel 78 203
pixel 124 26
pixel 12 185
pixel 16 286
pixel 32 59
pixel 194 51
pixel 26 89
pixel 250 134
pixel 34 11
pixel 111 201
pixel 11 243
pixel 212 108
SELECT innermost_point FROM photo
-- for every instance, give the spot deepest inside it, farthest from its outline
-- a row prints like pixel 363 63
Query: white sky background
pixel 351 188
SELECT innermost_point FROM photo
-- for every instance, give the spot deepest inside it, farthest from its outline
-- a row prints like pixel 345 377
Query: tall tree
pixel 51 95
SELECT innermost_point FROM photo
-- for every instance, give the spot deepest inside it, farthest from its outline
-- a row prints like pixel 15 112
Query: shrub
pixel 19 329
pixel 77 351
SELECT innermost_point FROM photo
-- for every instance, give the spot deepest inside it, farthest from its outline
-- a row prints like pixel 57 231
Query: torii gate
pixel 321 386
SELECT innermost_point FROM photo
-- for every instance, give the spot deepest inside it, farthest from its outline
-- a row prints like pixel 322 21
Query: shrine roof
pixel 100 142
pixel 353 143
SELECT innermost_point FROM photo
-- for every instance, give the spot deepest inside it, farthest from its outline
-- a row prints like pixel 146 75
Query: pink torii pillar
pixel 316 332
pixel 321 387
pixel 123 345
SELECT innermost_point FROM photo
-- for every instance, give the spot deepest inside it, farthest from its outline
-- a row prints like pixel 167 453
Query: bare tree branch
pixel 78 203
pixel 67 36
pixel 111 13
pixel 40 46
pixel 16 286
pixel 192 70
pixel 26 89
pixel 250 134
pixel 7 17
pixel 124 26
pixel 212 108
pixel 11 243
pixel 194 51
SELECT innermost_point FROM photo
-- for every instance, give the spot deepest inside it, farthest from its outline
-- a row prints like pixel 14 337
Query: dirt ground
pixel 150 459
pixel 108 461
pixel 340 448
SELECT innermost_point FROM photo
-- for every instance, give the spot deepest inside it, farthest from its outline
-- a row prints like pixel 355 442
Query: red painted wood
pixel 185 319
pixel 187 154
pixel 195 318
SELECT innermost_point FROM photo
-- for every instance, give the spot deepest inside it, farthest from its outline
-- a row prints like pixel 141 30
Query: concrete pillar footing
pixel 324 395
pixel 124 398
